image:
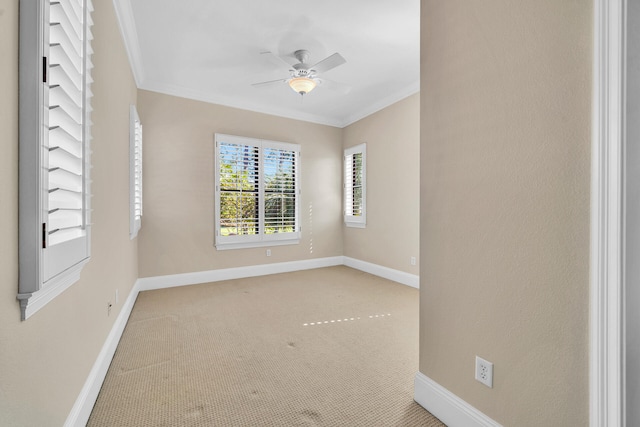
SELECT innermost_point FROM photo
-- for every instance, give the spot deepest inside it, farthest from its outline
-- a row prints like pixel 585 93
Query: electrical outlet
pixel 268 252
pixel 413 260
pixel 484 372
pixel 117 297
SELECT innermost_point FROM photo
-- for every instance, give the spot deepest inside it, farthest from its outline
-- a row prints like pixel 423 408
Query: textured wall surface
pixel 177 233
pixel 391 237
pixel 505 160
pixel 45 360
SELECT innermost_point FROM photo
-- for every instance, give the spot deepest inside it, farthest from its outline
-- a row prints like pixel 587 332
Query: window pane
pixel 279 187
pixel 357 201
pixel 357 169
pixel 239 207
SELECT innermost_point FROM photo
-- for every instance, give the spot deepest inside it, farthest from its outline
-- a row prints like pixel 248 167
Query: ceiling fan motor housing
pixel 301 55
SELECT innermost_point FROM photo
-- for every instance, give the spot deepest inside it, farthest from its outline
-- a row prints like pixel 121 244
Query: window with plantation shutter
pixel 257 192
pixel 135 173
pixel 55 80
pixel 355 195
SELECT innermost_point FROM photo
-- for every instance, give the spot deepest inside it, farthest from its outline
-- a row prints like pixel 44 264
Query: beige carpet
pixel 326 347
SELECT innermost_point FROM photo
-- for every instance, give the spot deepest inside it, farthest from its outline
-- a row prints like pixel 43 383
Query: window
pixel 54 165
pixel 355 186
pixel 257 192
pixel 135 173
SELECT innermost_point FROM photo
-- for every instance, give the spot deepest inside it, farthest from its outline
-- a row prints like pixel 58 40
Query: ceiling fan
pixel 303 78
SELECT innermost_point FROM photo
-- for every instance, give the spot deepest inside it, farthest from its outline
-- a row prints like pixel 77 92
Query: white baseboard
pixel 185 279
pixel 385 272
pixel 81 410
pixel 173 280
pixel 446 406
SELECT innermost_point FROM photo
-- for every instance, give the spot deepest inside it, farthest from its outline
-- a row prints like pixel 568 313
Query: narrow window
pixel 135 173
pixel 355 177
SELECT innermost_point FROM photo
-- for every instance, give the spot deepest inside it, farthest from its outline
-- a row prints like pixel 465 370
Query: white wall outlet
pixel 484 372
pixel 268 252
pixel 413 260
pixel 117 298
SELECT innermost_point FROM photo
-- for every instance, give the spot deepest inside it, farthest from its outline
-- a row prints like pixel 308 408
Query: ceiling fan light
pixel 302 85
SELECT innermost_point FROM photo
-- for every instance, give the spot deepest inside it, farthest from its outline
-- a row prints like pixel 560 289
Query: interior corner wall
pixel 505 186
pixel 391 237
pixel 177 234
pixel 45 360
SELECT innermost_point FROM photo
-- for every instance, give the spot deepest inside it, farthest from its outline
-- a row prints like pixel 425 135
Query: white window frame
pixel 350 220
pixel 258 240
pixel 47 269
pixel 135 173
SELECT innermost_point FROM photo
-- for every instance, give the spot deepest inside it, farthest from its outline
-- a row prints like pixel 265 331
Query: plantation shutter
pixel 354 185
pixel 54 161
pixel 135 173
pixel 68 119
pixel 279 180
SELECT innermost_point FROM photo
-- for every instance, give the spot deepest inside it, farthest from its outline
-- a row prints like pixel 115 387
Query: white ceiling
pixel 210 50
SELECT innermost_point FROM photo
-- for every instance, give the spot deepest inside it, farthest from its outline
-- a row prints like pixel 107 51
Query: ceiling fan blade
pixel 269 83
pixel 328 63
pixel 341 88
pixel 275 60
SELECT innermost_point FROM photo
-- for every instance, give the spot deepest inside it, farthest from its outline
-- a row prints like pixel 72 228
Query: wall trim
pixel 83 406
pixel 606 330
pixel 384 272
pixel 185 279
pixel 446 406
pixel 398 96
pixel 124 14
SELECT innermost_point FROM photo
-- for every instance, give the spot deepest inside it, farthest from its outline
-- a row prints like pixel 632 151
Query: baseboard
pixel 446 406
pixel 385 272
pixel 81 410
pixel 194 278
pixel 173 280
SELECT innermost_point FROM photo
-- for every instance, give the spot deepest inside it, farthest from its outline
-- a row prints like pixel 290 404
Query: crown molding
pixel 383 103
pixel 196 95
pixel 124 15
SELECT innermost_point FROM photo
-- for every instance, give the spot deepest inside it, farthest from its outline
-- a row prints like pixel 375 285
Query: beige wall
pixel 177 227
pixel 391 237
pixel 45 360
pixel 505 146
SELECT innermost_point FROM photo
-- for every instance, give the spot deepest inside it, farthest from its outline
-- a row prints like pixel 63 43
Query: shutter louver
pixel 279 171
pixel 68 118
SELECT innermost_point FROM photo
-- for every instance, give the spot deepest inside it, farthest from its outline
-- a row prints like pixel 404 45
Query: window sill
pixel 356 224
pixel 30 303
pixel 262 244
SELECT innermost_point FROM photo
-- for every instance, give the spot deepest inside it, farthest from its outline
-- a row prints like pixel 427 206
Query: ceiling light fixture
pixel 302 85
